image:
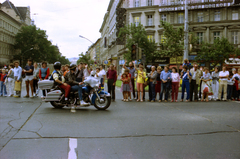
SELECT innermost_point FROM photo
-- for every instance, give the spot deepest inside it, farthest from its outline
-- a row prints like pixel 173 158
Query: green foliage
pixel 33 43
pixel 137 35
pixel 85 58
pixel 217 52
pixel 173 45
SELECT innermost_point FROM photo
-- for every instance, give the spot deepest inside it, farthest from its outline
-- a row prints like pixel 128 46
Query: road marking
pixel 72 146
pixel 73 109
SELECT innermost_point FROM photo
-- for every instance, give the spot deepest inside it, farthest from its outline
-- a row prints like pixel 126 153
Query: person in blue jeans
pixel 71 78
pixel 186 76
pixel 166 82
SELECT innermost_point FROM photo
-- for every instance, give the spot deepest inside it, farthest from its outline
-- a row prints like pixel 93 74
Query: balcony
pixel 194 4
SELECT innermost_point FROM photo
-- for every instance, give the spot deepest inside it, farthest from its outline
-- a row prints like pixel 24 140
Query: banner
pixel 178 61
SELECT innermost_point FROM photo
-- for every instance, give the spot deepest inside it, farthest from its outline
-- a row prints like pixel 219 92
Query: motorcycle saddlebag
pixel 45 84
pixel 53 96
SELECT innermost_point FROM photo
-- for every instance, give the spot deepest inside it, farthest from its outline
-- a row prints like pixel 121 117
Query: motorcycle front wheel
pixel 57 105
pixel 103 104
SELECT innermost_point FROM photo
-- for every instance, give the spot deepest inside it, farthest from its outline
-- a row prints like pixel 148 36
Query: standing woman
pixel 215 83
pixel 158 85
pixel 175 84
pixel 44 74
pixel 140 81
pixel 28 69
pixel 35 79
pixel 10 76
pixel 103 75
pixel 205 83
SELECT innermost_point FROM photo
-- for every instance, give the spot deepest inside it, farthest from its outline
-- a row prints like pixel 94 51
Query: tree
pixel 217 52
pixel 173 43
pixel 85 58
pixel 33 43
pixel 137 35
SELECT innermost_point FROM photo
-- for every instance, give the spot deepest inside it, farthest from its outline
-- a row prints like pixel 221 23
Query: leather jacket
pixel 70 78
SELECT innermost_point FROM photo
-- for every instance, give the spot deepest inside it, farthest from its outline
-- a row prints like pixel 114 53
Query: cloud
pixel 65 20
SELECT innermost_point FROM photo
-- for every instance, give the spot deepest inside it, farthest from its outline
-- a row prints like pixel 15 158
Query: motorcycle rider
pixel 75 86
pixel 59 79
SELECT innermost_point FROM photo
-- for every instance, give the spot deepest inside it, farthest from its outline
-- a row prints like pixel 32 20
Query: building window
pixel 235 37
pixel 150 37
pixel 164 17
pixel 163 1
pixel 234 15
pixel 217 16
pixel 136 20
pixel 149 20
pixel 216 35
pixel 200 37
pixel 137 3
pixel 200 17
pixel 149 2
pixel 180 17
pixel 105 42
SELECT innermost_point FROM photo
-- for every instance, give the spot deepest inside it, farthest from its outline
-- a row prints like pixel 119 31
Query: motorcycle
pixel 92 93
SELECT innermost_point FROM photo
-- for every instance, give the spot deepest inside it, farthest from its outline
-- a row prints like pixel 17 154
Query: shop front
pixel 158 62
pixel 174 62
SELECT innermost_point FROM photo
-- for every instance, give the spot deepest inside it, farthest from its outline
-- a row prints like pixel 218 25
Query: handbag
pixel 17 86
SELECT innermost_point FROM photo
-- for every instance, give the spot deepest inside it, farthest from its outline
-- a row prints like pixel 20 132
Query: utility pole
pixel 185 56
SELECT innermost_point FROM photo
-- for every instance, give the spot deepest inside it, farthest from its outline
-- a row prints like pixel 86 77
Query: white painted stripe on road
pixel 72 146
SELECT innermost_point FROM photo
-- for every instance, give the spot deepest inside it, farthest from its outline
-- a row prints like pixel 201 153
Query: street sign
pixel 106 62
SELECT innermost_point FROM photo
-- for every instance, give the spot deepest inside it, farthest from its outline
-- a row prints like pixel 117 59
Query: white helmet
pixel 93 73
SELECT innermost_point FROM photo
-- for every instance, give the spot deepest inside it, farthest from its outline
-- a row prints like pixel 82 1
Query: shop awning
pixel 171 66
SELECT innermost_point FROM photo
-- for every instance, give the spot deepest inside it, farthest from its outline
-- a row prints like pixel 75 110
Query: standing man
pixel 132 72
pixel 79 73
pixel 17 77
pixel 194 82
pixel 165 86
pixel 28 69
pixel 152 82
pixel 112 78
pixel 223 77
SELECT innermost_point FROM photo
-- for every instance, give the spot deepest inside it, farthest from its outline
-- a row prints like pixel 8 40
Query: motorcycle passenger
pixel 71 79
pixel 60 80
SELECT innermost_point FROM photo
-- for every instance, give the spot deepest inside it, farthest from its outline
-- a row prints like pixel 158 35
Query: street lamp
pixel 85 38
pixel 24 53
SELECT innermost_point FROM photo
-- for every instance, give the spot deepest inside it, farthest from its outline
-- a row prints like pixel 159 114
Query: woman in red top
pixel 44 74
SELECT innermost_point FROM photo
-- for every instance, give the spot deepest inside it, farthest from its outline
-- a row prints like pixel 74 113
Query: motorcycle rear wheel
pixel 102 105
pixel 57 105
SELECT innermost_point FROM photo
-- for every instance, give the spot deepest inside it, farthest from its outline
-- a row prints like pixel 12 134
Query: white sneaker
pixel 82 103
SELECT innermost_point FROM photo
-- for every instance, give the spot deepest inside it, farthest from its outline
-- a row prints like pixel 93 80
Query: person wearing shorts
pixel 140 81
pixel 29 78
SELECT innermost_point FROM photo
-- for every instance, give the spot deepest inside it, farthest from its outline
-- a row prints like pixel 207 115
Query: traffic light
pixel 237 2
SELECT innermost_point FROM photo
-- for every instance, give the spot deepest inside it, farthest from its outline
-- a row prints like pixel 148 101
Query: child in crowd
pixel 126 86
pixel 186 63
pixel 230 83
pixel 205 88
pixel 3 91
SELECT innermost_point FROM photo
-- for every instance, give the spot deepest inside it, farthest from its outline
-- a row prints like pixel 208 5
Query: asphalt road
pixel 32 129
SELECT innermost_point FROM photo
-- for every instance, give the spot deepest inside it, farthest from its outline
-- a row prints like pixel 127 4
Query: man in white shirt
pixel 196 75
pixel 223 77
pixel 17 77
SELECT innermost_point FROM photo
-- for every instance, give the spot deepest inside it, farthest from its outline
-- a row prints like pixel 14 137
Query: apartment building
pixel 208 20
pixel 11 20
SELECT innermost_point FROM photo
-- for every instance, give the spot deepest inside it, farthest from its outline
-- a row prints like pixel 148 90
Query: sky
pixel 65 20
